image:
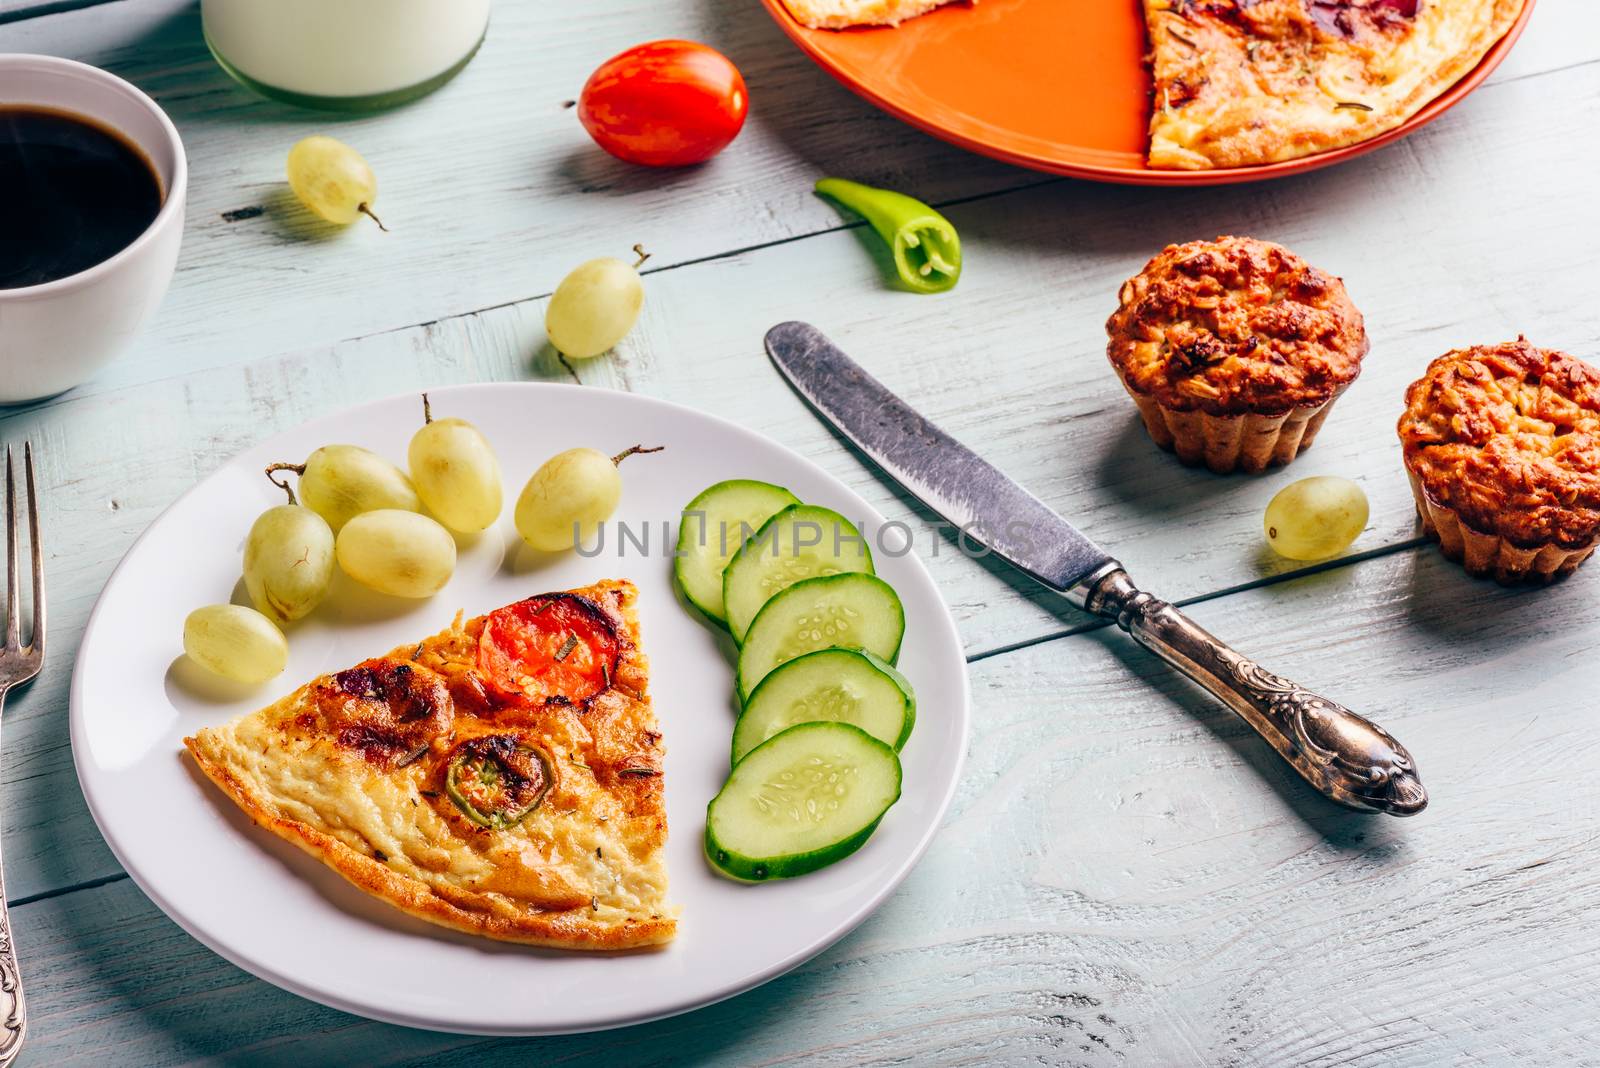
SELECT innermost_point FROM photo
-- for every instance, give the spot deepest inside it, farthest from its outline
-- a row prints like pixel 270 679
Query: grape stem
pixel 427 411
pixel 363 209
pixel 625 453
pixel 638 250
pixel 283 484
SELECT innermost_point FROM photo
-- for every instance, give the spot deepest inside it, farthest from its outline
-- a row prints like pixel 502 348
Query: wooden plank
pixel 1009 361
pixel 17 10
pixel 1558 35
pixel 1127 877
pixel 494 191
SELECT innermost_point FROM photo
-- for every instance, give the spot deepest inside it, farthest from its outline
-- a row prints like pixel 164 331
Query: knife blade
pixel 1344 756
pixel 963 487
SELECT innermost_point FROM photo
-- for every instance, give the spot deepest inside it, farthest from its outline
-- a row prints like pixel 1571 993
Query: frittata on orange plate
pixel 1242 83
pixel 503 777
pixel 1238 84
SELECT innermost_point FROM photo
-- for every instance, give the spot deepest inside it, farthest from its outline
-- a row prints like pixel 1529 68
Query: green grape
pixel 570 495
pixel 235 642
pixel 1315 517
pixel 288 560
pixel 456 473
pixel 594 307
pixel 339 482
pixel 396 552
pixel 332 180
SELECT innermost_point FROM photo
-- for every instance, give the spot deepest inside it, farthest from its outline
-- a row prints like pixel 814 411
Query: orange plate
pixel 1056 85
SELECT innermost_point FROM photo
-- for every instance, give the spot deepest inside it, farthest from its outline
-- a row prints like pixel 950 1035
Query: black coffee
pixel 72 193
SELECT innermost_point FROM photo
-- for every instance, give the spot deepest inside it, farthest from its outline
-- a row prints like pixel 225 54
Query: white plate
pixel 278 913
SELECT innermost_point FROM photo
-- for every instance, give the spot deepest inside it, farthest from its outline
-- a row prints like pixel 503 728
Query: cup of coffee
pixel 92 184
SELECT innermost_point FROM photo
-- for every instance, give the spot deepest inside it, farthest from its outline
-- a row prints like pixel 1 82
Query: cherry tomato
pixel 552 646
pixel 664 104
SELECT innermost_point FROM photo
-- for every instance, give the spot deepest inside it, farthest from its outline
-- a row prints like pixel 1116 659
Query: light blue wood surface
pixel 1127 877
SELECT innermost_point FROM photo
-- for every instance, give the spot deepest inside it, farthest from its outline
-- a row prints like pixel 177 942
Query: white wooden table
pixel 1127 875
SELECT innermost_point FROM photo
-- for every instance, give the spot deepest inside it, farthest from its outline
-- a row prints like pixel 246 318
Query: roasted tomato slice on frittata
pixel 552 647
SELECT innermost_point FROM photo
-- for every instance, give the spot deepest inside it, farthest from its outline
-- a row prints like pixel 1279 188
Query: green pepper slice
pixel 496 780
pixel 926 248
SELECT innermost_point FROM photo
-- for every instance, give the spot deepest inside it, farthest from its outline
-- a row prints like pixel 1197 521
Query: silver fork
pixel 18 664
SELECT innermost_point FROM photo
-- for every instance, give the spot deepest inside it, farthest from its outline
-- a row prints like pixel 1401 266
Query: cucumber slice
pixel 852 611
pixel 800 801
pixel 800 542
pixel 714 525
pixel 829 685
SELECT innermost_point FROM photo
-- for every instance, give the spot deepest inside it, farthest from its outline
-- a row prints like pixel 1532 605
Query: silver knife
pixel 1345 757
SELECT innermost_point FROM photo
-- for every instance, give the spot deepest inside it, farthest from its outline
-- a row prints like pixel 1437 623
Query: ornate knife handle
pixel 1346 757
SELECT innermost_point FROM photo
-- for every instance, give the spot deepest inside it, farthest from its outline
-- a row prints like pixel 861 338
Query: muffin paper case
pixel 1228 443
pixel 1489 555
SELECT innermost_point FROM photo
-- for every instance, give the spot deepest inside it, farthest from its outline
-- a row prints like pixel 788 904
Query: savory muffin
pixel 1234 350
pixel 1502 443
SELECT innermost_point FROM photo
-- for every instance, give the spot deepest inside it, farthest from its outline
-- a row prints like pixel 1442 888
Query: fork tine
pixel 38 552
pixel 13 611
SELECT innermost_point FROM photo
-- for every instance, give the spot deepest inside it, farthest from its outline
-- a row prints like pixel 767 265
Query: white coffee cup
pixel 57 334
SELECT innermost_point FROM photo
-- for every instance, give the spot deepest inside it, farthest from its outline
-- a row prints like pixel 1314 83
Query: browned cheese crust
pixel 352 766
pixel 841 14
pixel 1244 82
pixel 1235 326
pixel 1508 437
